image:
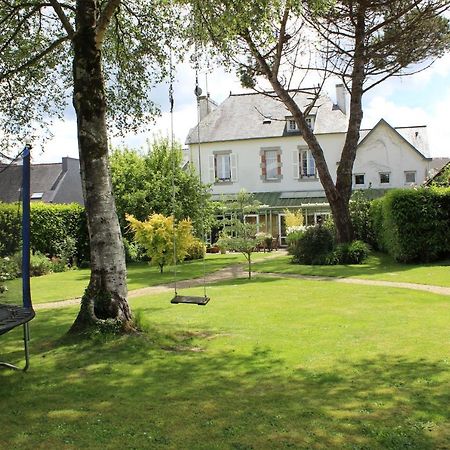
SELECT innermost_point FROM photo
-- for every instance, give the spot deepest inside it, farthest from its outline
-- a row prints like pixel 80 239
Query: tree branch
pixel 35 59
pixel 64 19
pixel 104 21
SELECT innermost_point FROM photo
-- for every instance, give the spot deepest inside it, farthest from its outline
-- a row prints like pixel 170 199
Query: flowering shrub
pixel 8 271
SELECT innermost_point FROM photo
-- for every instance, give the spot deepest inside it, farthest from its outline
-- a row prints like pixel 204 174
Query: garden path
pixel 240 271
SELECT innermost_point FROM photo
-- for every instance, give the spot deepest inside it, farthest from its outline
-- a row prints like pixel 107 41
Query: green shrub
pixel 10 228
pixel 359 207
pixel 39 265
pixel 292 238
pixel 355 252
pixel 196 250
pixel 56 230
pixel 413 225
pixel 313 247
pixel 9 269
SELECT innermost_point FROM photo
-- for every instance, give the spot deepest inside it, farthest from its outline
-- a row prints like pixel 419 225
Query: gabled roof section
pixel 43 177
pixel 50 183
pixel 416 137
pixel 246 116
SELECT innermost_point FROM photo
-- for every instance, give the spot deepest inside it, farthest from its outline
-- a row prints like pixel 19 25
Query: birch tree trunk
pixel 106 295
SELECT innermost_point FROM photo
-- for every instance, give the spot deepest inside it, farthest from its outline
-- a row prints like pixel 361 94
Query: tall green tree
pixel 362 42
pixel 144 184
pixel 102 55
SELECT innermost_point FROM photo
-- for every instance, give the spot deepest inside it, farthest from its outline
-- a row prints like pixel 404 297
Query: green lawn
pixel 71 284
pixel 268 364
pixel 378 267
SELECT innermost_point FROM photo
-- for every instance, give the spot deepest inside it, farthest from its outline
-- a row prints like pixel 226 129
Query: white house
pixel 251 142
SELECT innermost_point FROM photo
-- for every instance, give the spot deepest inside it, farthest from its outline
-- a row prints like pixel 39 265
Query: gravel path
pixel 239 271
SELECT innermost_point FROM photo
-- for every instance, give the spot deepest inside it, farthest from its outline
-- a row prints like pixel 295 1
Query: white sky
pixel 421 99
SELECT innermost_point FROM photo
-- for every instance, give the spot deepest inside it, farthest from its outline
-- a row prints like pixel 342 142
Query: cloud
pixel 64 143
pixel 435 116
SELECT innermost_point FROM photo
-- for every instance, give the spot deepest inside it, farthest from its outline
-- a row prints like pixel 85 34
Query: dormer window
pixel 292 124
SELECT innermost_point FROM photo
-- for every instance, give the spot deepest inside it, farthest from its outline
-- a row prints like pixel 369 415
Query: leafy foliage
pixel 238 235
pixel 196 250
pixel 360 215
pixel 443 178
pixel 56 230
pixel 164 241
pixel 355 252
pixel 413 224
pixel 313 246
pixel 36 52
pixel 362 43
pixel 143 185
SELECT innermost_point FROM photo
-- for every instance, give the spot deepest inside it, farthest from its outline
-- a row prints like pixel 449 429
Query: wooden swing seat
pixel 189 299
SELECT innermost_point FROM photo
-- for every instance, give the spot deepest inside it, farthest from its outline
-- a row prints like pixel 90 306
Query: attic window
pixel 267 121
pixel 37 195
pixel 292 124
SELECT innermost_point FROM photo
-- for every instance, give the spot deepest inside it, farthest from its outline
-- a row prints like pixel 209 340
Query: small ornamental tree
pixel 237 235
pixel 164 241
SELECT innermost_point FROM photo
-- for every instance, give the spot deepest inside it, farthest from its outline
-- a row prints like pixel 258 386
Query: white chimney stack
pixel 206 105
pixel 341 98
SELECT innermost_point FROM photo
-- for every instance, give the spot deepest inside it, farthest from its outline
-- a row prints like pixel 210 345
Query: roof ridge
pixel 300 91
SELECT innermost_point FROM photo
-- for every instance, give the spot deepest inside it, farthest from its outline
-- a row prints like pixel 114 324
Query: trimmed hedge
pixel 54 229
pixel 413 225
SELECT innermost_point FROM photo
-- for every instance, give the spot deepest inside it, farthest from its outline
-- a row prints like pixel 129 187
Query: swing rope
pixel 182 298
pixel 171 104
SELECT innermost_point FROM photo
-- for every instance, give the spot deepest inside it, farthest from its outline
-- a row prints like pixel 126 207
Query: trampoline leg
pixel 26 338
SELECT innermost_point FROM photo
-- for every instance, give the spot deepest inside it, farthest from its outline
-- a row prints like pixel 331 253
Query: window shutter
pixel 295 164
pixel 279 164
pixel 212 171
pixel 234 167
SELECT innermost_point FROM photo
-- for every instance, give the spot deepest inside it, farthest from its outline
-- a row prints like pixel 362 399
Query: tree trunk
pixel 338 196
pixel 106 295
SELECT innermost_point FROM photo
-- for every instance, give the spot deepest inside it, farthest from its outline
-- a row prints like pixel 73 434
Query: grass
pixel 267 364
pixel 71 284
pixel 378 267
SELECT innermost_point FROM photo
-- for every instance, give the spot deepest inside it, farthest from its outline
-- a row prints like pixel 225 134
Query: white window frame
pixel 324 214
pixel 216 177
pixel 256 216
pixel 311 171
pixel 222 162
pixel 389 178
pixel 272 164
pixel 281 238
pixel 359 175
pixel 310 121
pixel 409 172
pixel 291 125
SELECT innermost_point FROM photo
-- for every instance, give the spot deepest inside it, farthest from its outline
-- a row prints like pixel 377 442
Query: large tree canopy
pixel 362 42
pixel 104 55
pixel 36 60
pixel 144 184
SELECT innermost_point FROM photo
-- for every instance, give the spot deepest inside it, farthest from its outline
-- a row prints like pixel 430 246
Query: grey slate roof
pixel 241 116
pixel 50 183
